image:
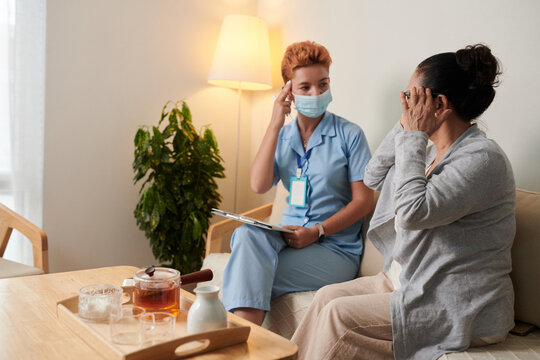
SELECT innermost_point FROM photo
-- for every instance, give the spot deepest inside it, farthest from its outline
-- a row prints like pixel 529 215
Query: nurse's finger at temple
pixel 285 91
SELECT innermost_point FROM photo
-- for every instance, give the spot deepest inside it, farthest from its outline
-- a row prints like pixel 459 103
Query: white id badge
pixel 298 191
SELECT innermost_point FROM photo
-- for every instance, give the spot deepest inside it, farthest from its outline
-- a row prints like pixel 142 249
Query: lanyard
pixel 301 161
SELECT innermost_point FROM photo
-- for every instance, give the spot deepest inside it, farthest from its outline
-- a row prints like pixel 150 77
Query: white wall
pixel 376 45
pixel 111 65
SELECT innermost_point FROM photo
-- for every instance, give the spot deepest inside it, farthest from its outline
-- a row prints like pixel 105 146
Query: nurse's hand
pixel 301 237
pixel 282 106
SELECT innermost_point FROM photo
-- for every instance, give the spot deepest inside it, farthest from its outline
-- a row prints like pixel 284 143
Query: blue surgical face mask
pixel 313 106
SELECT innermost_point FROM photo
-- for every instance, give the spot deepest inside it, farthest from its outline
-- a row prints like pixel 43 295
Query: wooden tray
pixel 96 334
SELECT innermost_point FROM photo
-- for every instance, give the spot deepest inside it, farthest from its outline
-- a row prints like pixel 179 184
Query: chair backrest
pixel 10 220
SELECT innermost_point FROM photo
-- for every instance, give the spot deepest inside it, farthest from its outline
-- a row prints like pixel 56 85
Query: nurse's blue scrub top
pixel 339 155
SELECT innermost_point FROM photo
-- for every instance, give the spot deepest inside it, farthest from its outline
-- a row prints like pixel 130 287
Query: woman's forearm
pixel 383 159
pixel 262 169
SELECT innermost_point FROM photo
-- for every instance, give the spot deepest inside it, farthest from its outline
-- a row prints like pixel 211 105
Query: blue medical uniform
pixel 262 266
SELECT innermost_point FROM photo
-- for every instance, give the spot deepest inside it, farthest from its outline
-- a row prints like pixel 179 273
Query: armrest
pixel 215 238
pixel 10 220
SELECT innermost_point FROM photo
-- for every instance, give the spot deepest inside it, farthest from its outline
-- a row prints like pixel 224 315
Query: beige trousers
pixel 349 320
pixel 352 320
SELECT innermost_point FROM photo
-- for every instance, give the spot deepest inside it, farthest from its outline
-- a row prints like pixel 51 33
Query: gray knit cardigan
pixel 452 232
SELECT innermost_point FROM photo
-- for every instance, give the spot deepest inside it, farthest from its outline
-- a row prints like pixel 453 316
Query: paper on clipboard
pixel 250 221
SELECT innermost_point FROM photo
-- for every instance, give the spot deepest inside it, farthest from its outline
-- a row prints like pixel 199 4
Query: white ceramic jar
pixel 207 312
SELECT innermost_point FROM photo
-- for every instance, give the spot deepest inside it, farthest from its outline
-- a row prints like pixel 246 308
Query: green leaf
pixel 160 205
pixel 186 112
pixel 210 139
pixel 146 140
pixel 154 219
pixel 138 138
pixel 158 138
pixel 163 113
pixel 197 229
pixel 148 199
pixel 169 201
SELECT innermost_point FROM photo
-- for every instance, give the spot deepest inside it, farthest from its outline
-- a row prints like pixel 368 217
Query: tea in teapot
pixel 157 289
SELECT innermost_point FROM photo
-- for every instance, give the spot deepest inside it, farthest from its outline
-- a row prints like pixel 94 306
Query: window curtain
pixel 7 22
pixel 27 107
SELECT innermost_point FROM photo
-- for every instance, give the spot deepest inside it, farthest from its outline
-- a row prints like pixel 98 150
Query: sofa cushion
pixel 287 312
pixel 10 269
pixel 514 347
pixel 372 260
pixel 525 257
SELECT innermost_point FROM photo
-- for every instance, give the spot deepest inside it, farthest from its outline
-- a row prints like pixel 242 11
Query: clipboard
pixel 250 221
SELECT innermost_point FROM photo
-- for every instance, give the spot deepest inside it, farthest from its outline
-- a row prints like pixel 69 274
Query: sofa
pixel 287 311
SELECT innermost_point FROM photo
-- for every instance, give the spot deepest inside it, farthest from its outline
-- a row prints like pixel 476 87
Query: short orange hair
pixel 301 54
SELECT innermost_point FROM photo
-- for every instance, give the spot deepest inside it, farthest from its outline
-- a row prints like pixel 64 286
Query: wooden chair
pixel 10 220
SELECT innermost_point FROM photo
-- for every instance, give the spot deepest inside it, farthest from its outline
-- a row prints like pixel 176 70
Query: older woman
pixel 444 223
pixel 321 158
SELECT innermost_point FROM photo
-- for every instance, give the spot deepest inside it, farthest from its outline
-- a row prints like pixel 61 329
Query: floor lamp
pixel 242 61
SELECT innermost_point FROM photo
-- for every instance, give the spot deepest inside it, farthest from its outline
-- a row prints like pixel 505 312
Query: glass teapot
pixel 157 289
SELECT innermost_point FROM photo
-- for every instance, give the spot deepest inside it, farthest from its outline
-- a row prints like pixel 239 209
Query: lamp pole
pixel 237 160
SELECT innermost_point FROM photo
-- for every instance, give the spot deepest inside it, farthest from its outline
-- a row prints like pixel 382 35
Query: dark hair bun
pixel 480 65
pixel 467 78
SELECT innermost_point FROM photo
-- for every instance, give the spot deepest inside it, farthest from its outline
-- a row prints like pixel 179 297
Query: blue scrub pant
pixel 262 267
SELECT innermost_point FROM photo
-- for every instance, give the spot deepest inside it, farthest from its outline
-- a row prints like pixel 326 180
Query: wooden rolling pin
pixel 197 277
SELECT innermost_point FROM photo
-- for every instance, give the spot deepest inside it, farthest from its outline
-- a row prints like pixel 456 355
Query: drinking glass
pixel 158 327
pixel 98 302
pixel 126 327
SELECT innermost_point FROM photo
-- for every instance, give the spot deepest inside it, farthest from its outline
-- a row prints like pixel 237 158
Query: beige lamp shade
pixel 242 57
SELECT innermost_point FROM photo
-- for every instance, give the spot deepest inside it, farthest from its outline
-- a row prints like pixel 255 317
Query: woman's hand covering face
pixel 419 112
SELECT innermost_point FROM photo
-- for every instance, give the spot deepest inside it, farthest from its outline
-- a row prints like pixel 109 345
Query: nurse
pixel 320 158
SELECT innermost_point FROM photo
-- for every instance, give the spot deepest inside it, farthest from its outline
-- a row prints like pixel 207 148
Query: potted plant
pixel 179 167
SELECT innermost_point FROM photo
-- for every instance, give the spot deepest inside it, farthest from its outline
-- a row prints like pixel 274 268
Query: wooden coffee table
pixel 30 328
